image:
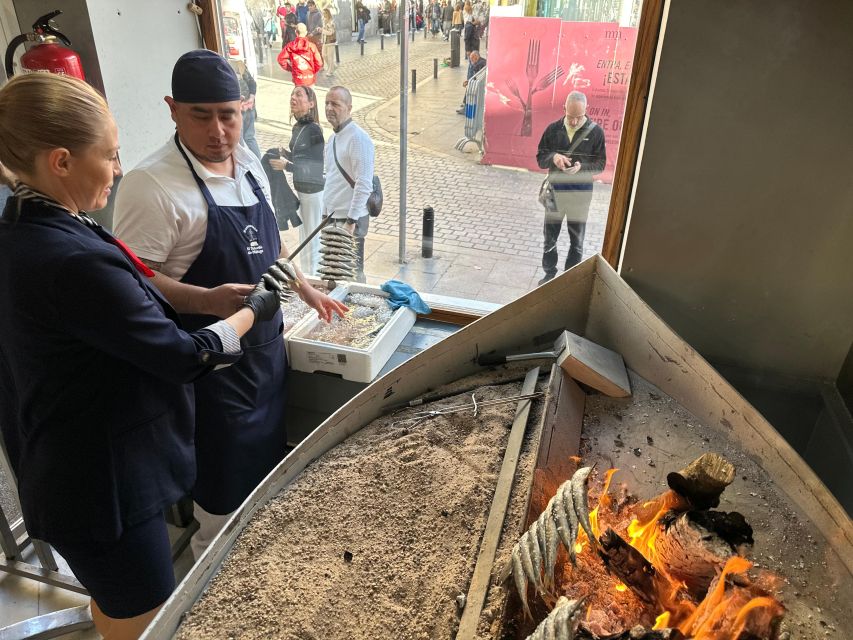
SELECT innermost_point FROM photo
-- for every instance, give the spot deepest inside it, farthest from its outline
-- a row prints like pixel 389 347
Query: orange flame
pixel 621 588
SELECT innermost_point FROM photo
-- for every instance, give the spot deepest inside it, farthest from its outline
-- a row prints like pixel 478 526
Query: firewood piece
pixel 628 564
pixel 690 552
pixel 703 480
pixel 637 633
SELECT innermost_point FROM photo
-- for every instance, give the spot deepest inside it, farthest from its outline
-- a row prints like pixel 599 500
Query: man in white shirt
pixel 349 159
pixel 198 212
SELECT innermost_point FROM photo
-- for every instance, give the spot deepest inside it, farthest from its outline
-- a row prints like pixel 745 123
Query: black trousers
pixel 552 228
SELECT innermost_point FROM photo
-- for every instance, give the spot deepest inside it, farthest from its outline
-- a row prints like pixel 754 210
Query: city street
pixel 488 223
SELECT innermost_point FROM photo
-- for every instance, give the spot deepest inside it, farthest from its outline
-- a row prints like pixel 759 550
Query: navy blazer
pixel 95 409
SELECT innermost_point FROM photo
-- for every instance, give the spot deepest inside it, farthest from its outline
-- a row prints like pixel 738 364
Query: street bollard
pixel 362 48
pixel 426 234
pixel 413 35
pixel 414 80
pixel 398 38
pixel 425 31
pixel 337 54
pixel 435 68
pixel 382 42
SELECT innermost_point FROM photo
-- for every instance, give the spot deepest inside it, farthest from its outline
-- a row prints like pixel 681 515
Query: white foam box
pixel 356 365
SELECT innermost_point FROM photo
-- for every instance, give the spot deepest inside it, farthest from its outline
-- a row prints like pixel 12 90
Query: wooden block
pixel 594 365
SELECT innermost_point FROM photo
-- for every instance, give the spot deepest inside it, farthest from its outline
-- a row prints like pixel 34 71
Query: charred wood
pixel 628 564
pixel 703 480
pixel 637 633
pixel 689 552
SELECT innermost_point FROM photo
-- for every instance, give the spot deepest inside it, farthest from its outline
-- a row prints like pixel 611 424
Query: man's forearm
pixel 184 298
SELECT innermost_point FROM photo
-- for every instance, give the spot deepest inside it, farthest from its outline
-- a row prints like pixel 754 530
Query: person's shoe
pixel 548 276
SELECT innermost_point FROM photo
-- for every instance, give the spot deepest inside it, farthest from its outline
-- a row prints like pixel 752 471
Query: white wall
pixel 8 30
pixel 138 44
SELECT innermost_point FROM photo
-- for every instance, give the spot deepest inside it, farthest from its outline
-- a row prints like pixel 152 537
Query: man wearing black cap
pixel 198 212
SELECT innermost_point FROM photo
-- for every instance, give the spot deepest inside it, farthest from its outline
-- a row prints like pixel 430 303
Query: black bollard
pixel 413 35
pixel 398 38
pixel 426 234
pixel 337 54
pixel 362 48
pixel 382 42
pixel 435 67
pixel 414 80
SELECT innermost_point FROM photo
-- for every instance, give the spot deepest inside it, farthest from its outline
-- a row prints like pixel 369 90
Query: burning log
pixel 694 545
pixel 703 480
pixel 637 633
pixel 628 564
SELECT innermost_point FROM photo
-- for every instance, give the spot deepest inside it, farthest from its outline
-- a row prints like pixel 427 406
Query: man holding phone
pixel 572 149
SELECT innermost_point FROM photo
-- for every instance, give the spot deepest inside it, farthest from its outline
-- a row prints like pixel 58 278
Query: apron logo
pixel 254 248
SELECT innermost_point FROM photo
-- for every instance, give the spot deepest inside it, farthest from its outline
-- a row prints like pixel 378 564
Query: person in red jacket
pixel 301 58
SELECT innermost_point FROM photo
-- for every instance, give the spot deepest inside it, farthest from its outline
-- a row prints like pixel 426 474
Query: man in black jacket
pixel 572 149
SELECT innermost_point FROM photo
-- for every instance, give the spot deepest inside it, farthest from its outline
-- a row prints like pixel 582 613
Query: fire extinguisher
pixel 47 54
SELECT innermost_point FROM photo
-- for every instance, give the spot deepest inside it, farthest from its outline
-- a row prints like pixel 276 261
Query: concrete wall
pixel 741 232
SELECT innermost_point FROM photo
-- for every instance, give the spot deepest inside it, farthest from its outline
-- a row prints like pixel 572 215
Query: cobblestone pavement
pixel 488 226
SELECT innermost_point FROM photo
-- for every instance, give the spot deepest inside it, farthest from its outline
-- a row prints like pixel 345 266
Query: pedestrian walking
pixel 446 18
pixel 457 17
pixel 301 58
pixel 435 18
pixel 573 151
pixel 314 25
pixel 198 212
pixel 330 37
pixel 96 407
pixel 349 161
pixel 248 89
pixel 363 16
pixel 304 158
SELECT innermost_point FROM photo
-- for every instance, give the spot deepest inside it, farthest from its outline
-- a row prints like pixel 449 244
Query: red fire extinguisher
pixel 47 54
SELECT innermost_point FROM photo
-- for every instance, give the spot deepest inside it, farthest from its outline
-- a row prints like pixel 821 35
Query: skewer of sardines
pixel 560 623
pixel 566 512
pixel 282 277
pixel 338 254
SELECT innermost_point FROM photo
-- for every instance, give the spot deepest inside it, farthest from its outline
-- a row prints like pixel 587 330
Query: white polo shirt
pixel 160 212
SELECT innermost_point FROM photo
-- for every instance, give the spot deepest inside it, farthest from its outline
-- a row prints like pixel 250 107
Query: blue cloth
pixel 403 295
pixel 202 76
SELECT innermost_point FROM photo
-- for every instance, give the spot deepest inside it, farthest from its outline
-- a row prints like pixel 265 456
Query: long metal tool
pixel 404 126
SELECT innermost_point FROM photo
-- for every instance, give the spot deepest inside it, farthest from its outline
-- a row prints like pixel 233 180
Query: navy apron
pixel 240 433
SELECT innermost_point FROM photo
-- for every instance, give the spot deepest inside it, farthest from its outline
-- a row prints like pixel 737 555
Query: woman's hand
pixel 321 303
pixel 277 164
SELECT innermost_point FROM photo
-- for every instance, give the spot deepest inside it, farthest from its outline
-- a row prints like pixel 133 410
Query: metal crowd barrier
pixel 475 103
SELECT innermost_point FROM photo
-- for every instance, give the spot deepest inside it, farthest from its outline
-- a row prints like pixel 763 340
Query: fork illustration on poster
pixel 534 86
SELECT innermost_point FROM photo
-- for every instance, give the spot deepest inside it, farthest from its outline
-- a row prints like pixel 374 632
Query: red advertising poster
pixel 534 63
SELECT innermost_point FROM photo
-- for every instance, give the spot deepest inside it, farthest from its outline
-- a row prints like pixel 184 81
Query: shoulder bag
pixel 374 201
pixel 546 192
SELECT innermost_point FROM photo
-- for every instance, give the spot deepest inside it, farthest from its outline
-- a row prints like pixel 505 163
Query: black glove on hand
pixel 263 301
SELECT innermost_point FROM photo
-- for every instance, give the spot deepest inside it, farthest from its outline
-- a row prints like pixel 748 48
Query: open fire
pixel 671 567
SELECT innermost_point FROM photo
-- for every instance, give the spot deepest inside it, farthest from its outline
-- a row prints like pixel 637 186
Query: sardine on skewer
pixel 520 578
pixel 526 560
pixel 559 624
pixel 536 555
pixel 571 514
pixel 579 496
pixel 561 521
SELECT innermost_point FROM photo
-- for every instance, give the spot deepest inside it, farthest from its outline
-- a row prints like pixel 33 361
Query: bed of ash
pixel 378 537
